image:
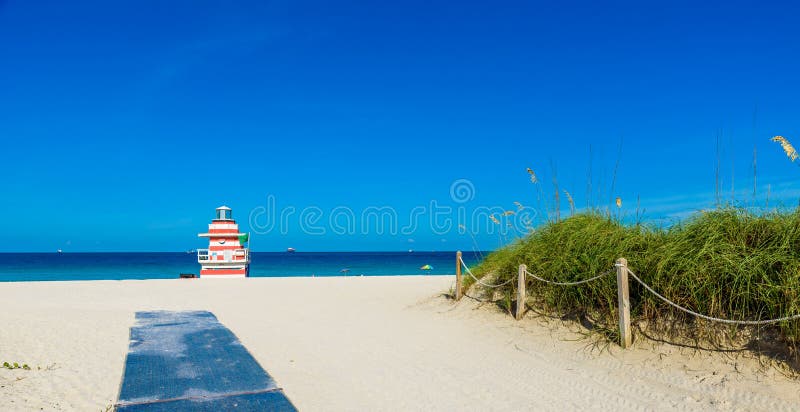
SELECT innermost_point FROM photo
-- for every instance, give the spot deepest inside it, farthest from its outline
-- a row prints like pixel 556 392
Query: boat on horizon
pixel 290 250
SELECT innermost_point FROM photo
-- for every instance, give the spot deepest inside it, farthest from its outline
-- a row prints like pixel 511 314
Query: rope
pixel 469 272
pixel 728 321
pixel 570 283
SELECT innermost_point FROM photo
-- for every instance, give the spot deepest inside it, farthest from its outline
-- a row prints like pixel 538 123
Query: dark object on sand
pixel 188 276
pixel 188 361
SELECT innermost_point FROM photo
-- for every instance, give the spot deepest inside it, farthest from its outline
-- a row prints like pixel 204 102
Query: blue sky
pixel 124 124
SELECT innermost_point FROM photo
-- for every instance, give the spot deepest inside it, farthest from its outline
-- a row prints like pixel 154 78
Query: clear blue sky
pixel 124 124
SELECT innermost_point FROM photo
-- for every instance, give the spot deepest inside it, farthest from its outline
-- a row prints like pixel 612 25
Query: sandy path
pixel 383 343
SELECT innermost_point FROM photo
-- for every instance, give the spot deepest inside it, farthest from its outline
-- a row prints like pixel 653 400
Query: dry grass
pixel 791 153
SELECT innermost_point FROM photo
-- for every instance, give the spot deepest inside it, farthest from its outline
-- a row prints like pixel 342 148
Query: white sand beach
pixel 355 344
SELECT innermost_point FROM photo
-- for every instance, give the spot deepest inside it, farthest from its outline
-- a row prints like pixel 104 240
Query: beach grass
pixel 728 263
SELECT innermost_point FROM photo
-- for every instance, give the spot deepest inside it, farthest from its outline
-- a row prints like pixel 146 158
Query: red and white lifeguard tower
pixel 226 256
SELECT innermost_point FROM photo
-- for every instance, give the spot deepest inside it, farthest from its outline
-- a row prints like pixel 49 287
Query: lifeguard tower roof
pixel 224 213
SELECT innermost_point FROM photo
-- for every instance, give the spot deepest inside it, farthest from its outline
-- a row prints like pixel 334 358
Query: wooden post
pixel 521 295
pixel 458 275
pixel 624 302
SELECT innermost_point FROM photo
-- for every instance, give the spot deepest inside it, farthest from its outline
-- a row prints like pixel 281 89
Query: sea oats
pixel 571 202
pixel 533 176
pixel 619 202
pixel 508 213
pixel 518 205
pixel 494 219
pixel 791 153
pixel 717 284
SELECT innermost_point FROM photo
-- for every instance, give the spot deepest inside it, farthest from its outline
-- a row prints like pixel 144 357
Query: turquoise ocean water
pixel 94 266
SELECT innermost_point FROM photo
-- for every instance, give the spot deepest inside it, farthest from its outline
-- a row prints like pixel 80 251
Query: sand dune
pixel 382 343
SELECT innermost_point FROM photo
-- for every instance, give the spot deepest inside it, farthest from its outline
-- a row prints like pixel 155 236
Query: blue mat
pixel 188 361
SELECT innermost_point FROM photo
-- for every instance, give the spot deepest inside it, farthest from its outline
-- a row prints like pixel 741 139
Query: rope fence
pixel 711 318
pixel 623 295
pixel 480 282
pixel 580 282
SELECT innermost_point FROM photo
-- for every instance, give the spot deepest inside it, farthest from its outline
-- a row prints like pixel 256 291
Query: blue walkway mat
pixel 188 361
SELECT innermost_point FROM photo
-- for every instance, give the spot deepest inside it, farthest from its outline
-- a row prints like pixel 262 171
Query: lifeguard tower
pixel 226 256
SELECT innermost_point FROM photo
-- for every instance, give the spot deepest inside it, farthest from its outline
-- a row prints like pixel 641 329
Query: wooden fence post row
pixel 521 294
pixel 623 296
pixel 458 275
pixel 624 303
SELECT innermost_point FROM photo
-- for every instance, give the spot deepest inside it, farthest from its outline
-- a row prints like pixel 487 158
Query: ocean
pixel 168 265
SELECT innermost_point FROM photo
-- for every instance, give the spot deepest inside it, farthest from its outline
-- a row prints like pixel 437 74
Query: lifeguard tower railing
pixel 232 256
